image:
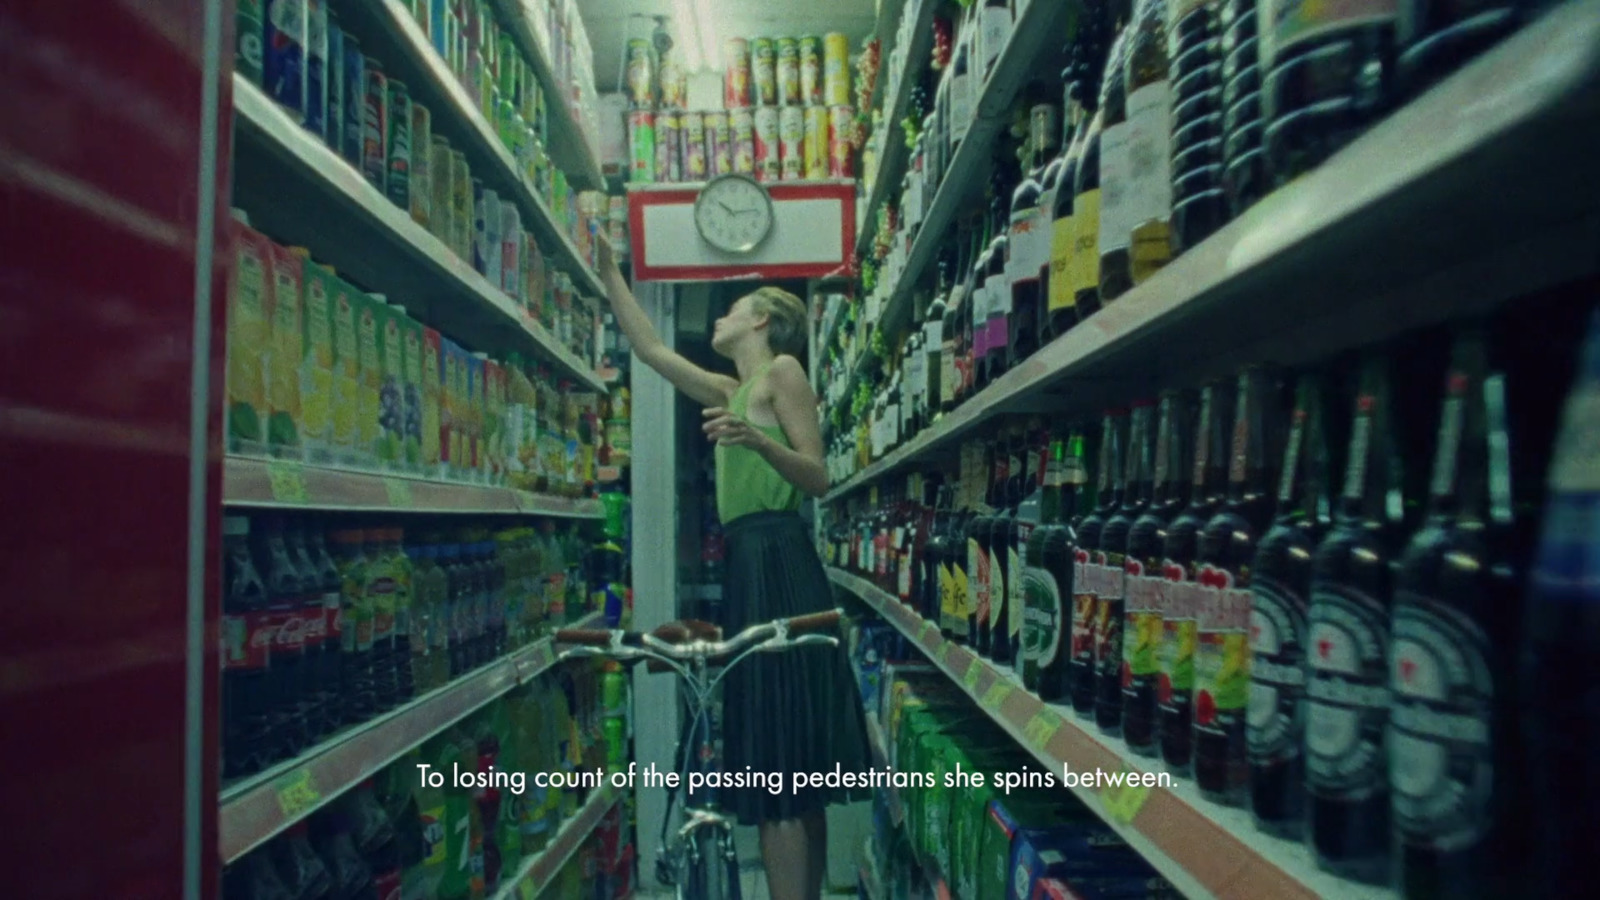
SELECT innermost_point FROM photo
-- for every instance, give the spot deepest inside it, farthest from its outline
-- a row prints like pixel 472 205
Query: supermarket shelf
pixel 1423 201
pixel 293 485
pixel 263 805
pixel 1037 31
pixel 431 73
pixel 536 874
pixel 892 152
pixel 880 759
pixel 299 191
pixel 1205 850
pixel 569 148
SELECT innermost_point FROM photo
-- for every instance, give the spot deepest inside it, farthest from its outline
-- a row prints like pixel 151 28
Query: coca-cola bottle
pixel 288 598
pixel 1088 580
pixel 322 634
pixel 301 870
pixel 1280 581
pixel 1227 546
pixel 1147 538
pixel 1559 665
pixel 1352 574
pixel 1452 766
pixel 248 690
pixel 1180 595
pixel 332 835
pixel 255 878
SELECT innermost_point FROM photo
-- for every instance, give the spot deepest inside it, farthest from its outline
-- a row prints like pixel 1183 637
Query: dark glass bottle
pixel 1021 518
pixel 1058 300
pixel 1141 629
pixel 1175 685
pixel 933 557
pixel 1151 190
pixel 1438 36
pixel 1047 582
pixel 1352 575
pixel 1084 267
pixel 997 292
pixel 978 310
pixel 1087 577
pixel 1134 487
pixel 1227 546
pixel 933 347
pixel 1242 125
pixel 1195 73
pixel 1280 581
pixel 1029 242
pixel 955 314
pixel 979 582
pixel 1115 191
pixel 1452 759
pixel 1058 557
pixel 1326 74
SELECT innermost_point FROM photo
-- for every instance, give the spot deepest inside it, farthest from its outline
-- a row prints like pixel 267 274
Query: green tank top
pixel 746 483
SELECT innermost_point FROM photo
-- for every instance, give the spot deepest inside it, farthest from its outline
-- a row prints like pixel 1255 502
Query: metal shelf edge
pixel 537 873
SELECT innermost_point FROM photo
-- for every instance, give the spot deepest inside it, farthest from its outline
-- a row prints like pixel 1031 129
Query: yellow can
pixel 835 69
pixel 816 142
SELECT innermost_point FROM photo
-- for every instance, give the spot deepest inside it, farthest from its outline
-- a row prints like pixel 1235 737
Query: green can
pixel 398 180
pixel 616 734
pixel 250 43
pixel 613 693
pixel 641 146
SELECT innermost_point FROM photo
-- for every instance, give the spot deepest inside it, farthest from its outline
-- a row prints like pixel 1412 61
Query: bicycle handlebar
pixel 698 646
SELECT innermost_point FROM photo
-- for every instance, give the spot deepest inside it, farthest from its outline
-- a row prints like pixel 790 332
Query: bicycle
pixel 692 649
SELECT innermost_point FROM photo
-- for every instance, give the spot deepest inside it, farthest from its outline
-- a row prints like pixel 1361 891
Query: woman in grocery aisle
pixel 786 712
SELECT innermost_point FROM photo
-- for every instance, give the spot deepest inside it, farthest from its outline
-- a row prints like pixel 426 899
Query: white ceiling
pixel 610 24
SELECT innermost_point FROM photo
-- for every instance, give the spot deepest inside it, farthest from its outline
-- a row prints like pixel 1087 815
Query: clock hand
pixel 731 210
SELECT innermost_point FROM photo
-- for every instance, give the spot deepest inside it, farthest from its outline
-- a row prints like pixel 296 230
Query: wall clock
pixel 733 213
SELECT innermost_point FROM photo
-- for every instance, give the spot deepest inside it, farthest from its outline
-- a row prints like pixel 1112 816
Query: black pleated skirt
pixel 794 711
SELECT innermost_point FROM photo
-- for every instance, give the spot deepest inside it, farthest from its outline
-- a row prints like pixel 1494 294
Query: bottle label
pixel 1141 633
pixel 997 336
pixel 1015 592
pixel 979 301
pixel 995 23
pixel 1108 613
pixel 1441 769
pixel 1181 603
pixel 1083 604
pixel 1149 154
pixel 1061 287
pixel 1042 620
pixel 947 592
pixel 1116 222
pixel 1084 270
pixel 1286 23
pixel 1222 656
pixel 1276 720
pixel 247 640
pixel 948 376
pixel 904 580
pixel 959 600
pixel 1347 639
pixel 999 593
pixel 1021 263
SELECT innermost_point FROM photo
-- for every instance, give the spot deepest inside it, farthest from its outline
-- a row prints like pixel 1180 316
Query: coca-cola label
pixel 247 640
pixel 1042 616
pixel 1141 634
pixel 1222 654
pixel 332 619
pixel 315 632
pixel 1083 601
pixel 1276 719
pixel 289 631
pixel 1347 693
pixel 1441 769
pixel 1180 605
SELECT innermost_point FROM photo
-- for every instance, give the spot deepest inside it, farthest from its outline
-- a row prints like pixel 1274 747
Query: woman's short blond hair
pixel 786 319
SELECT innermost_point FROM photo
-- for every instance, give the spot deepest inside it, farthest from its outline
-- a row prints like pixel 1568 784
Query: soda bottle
pixel 301 870
pixel 1175 685
pixel 313 630
pixel 397 790
pixel 248 691
pixel 375 839
pixel 1141 629
pixel 255 878
pixel 450 612
pixel 1088 580
pixel 329 670
pixel 1227 546
pixel 400 566
pixel 1112 560
pixel 332 836
pixel 423 610
pixel 1451 728
pixel 1559 670
pixel 381 590
pixel 1347 790
pixel 287 600
pixel 1280 580
pixel 355 657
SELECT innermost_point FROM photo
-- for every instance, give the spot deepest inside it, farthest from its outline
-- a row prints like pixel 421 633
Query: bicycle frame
pixel 683 861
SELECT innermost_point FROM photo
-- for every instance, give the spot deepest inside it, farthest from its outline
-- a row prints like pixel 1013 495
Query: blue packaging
pixel 335 70
pixel 355 74
pixel 284 63
pixel 316 108
pixel 437 11
pixel 1070 851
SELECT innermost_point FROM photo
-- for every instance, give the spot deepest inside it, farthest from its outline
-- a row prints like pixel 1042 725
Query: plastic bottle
pixel 355 669
pixel 400 566
pixel 287 595
pixel 329 674
pixel 247 686
pixel 381 589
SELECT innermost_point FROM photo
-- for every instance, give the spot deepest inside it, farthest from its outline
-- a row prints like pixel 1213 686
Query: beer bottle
pixel 1451 774
pixel 979 581
pixel 1001 534
pixel 1347 689
pixel 1048 578
pixel 1559 667
pixel 1222 652
pixel 1280 581
pixel 1024 518
pixel 1141 630
pixel 1087 580
pixel 928 597
pixel 1134 486
pixel 1175 685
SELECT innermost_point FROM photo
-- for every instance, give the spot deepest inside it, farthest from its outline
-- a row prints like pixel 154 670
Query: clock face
pixel 733 214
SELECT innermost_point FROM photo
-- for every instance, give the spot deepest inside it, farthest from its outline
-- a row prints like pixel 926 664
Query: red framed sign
pixel 813 234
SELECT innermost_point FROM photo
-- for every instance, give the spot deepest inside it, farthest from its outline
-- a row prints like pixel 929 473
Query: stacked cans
pixel 792 92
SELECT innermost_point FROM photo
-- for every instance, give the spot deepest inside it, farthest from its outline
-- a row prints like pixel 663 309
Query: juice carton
pixel 316 361
pixel 391 397
pixel 432 398
pixel 450 422
pixel 511 242
pixel 521 427
pixel 369 322
pixel 346 372
pixel 411 391
pixel 283 64
pixel 461 205
pixel 441 220
pixel 249 340
pixel 475 414
pixel 283 364
pixel 494 401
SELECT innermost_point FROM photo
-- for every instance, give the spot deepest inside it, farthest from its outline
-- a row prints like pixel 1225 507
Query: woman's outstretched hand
pixel 605 261
pixel 729 430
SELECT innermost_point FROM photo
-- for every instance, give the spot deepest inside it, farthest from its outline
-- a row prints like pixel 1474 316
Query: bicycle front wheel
pixel 711 870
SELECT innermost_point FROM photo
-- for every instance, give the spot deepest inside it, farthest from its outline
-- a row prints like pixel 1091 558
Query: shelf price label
pixel 288 482
pixel 969 679
pixel 997 693
pixel 399 491
pixel 942 655
pixel 1123 801
pixel 1042 727
pixel 929 632
pixel 297 794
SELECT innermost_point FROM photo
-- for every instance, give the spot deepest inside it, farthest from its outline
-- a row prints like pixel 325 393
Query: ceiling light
pixel 689 44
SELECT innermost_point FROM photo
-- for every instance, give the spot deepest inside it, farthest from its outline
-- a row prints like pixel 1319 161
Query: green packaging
pixel 346 370
pixel 369 315
pixel 317 360
pixel 283 365
pixel 411 382
pixel 250 29
pixel 391 406
pixel 249 340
